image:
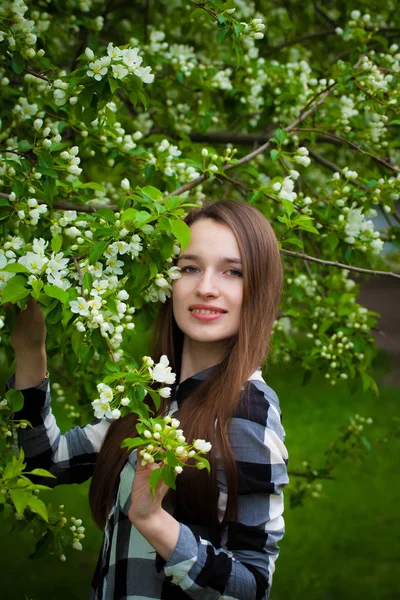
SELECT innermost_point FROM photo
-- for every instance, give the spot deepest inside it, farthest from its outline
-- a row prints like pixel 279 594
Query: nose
pixel 207 285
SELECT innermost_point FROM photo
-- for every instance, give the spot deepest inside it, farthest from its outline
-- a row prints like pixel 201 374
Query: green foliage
pixel 114 125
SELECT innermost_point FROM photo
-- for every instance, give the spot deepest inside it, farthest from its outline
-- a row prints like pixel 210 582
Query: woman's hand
pixel 146 513
pixel 144 505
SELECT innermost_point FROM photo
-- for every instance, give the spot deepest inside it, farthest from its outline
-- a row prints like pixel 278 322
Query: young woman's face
pixel 207 299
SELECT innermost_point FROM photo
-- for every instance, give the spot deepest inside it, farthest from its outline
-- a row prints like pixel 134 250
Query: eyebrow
pixel 225 259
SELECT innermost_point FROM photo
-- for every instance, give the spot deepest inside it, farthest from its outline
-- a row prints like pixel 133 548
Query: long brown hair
pixel 205 413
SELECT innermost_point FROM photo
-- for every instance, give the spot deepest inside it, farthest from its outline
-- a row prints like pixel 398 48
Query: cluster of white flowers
pixel 285 189
pixel 356 21
pixel 60 90
pixel 73 160
pixel 123 62
pixel 55 267
pixel 377 128
pixel 306 283
pixel 347 109
pixel 221 79
pixel 161 288
pixel 372 78
pixel 23 110
pixel 166 153
pixel 31 211
pixel 301 157
pixel 112 401
pixel 94 314
pixel 161 372
pixel 255 83
pixel 360 231
pixel 102 405
pixel 21 33
pixel 254 29
pixel 78 533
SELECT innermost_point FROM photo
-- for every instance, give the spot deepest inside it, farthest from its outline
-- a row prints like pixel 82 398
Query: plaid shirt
pixel 203 566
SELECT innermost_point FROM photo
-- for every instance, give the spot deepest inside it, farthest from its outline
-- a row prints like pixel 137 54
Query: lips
pixel 207 307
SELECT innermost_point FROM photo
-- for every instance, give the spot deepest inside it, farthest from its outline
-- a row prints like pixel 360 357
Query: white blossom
pixel 202 445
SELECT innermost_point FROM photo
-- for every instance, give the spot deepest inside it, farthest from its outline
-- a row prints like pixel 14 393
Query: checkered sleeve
pixel 70 457
pixel 242 568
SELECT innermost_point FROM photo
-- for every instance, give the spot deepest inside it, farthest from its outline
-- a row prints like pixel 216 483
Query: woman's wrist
pixel 161 531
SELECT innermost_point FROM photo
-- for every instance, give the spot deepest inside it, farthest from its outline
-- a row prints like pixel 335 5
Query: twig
pixel 352 145
pixel 36 75
pixel 330 263
pixel 81 207
pixel 302 116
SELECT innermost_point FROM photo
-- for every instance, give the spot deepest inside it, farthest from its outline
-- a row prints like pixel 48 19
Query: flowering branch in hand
pixel 159 438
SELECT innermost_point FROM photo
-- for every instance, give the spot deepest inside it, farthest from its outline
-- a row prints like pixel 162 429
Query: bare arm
pixel 28 341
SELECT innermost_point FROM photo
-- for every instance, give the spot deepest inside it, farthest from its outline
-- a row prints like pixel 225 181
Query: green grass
pixel 344 546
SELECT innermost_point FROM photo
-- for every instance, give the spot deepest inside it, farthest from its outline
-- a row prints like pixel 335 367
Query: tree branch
pixel 330 263
pixel 351 144
pixel 36 74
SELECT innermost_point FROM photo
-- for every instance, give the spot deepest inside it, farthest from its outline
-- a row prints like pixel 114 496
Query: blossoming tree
pixel 113 126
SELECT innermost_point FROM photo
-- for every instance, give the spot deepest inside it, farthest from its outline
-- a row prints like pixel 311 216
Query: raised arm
pixel 70 457
pixel 28 341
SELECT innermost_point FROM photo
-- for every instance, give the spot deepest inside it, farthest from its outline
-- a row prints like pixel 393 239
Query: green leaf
pixel 15 268
pixel 128 215
pixel 15 399
pixel 107 214
pixel 87 281
pixel 90 185
pixel 24 146
pixel 223 33
pixel 281 135
pixel 96 251
pixel 308 227
pixel 20 499
pixel 275 154
pixel 152 193
pixel 204 462
pixel 56 292
pixel 113 83
pixel 40 473
pixel 168 476
pixel 56 242
pixel 134 442
pixel 181 231
pixel 15 289
pixel 17 63
pixel 288 206
pixel 295 242
pixel 155 397
pixel 154 479
pixel 238 29
pixel 39 507
pixel 49 188
pixel 110 116
pixel 76 341
pixel 142 217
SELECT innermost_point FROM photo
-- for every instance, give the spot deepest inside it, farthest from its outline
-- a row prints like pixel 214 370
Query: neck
pixel 198 356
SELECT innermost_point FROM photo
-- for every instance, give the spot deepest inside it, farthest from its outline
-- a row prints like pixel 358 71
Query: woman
pixel 216 536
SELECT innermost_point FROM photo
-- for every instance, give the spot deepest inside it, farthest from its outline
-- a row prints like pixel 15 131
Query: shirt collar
pixel 182 390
